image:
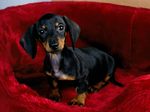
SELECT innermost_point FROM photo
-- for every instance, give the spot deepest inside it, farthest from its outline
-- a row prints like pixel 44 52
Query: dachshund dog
pixel 90 68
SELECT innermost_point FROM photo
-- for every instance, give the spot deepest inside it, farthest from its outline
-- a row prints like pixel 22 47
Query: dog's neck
pixel 55 61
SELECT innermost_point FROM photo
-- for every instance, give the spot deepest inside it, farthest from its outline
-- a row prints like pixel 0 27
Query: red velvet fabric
pixel 122 31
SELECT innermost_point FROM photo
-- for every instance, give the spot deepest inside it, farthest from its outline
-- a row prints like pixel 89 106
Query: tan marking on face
pixel 61 42
pixel 43 26
pixel 46 46
pixel 56 23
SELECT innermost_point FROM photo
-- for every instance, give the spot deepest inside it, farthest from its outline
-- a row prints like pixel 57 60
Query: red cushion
pixel 135 98
pixel 141 39
pixel 120 30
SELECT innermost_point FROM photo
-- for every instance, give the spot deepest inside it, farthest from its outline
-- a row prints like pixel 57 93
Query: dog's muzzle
pixel 53 44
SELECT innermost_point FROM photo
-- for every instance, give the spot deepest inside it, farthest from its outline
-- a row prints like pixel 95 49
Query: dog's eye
pixel 61 27
pixel 42 29
pixel 41 32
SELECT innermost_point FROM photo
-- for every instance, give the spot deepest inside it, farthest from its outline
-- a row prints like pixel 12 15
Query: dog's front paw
pixel 55 95
pixel 79 100
pixel 75 101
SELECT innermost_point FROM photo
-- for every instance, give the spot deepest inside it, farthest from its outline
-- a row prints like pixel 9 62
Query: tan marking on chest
pixel 62 77
pixel 57 73
pixel 66 77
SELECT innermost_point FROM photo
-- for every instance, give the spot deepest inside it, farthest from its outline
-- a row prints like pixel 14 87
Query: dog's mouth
pixel 55 48
pixel 54 51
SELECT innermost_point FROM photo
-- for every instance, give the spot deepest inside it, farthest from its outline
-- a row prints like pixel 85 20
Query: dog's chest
pixel 55 64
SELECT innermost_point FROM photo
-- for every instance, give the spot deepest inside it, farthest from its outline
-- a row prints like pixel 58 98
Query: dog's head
pixel 50 30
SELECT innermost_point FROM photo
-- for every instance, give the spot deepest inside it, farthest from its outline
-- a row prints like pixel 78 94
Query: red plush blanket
pixel 121 31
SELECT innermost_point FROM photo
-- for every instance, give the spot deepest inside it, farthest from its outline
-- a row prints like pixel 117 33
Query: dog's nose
pixel 53 44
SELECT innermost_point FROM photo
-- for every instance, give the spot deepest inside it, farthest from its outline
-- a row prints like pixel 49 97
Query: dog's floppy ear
pixel 28 42
pixel 73 29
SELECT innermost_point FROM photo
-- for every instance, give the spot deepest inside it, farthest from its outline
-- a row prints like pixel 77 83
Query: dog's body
pixel 89 64
pixel 89 67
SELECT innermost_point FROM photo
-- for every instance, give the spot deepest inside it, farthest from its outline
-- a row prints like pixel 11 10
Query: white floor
pixel 7 3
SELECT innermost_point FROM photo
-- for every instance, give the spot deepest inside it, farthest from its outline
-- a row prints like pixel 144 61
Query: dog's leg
pixel 100 85
pixel 54 90
pixel 78 100
pixel 81 94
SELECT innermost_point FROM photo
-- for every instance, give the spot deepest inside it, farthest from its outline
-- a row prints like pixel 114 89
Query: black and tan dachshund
pixel 90 68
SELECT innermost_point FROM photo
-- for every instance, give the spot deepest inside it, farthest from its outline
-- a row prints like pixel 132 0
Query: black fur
pixel 88 65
